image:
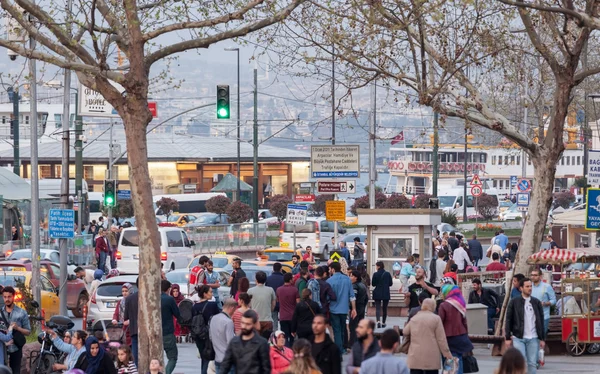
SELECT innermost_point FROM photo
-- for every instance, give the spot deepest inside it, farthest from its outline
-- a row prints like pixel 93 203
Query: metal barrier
pixel 81 248
pixel 243 236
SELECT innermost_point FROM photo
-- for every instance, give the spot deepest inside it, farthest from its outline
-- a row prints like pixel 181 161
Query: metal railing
pixel 242 236
pixel 81 248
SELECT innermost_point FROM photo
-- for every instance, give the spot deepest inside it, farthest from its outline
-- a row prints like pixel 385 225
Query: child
pixel 5 338
pixel 125 362
pixel 155 367
pixel 406 272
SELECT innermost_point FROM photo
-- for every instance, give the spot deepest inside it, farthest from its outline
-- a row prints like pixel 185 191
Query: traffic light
pixel 110 192
pixel 223 102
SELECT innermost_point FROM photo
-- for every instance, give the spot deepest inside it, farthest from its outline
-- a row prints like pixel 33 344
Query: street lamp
pixel 239 189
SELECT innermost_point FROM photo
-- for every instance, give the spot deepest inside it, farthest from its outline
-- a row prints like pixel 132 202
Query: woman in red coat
pixel 179 330
pixel 281 356
pixel 120 311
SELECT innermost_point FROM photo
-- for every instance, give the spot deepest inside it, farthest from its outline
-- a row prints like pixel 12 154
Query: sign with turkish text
pixel 427 167
pixel 61 223
pixel 333 187
pixel 592 216
pixel 304 198
pixel 335 161
pixel 593 168
pixel 296 214
pixel 335 210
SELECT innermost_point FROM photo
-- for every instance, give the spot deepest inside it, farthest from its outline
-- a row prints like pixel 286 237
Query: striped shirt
pixel 129 369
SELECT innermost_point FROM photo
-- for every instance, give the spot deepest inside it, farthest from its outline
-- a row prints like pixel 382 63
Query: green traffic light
pixel 109 200
pixel 223 113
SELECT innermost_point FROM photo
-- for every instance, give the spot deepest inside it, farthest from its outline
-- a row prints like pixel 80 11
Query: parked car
pixel 446 227
pixel 51 255
pixel 265 216
pixel 104 301
pixel 504 206
pixel 351 219
pixel 181 219
pixel 250 274
pixel 77 295
pixel 209 219
pixel 50 302
pixel 511 214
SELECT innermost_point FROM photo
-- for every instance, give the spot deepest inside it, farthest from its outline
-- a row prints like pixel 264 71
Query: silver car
pixel 104 301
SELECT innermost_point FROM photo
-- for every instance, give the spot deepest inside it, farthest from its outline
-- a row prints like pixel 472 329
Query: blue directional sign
pixel 124 195
pixel 592 216
pixel 61 223
pixel 522 199
pixel 524 185
pixel 513 180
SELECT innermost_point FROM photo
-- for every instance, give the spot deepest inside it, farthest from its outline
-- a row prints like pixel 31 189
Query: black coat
pixel 328 359
pixel 476 249
pixel 303 317
pixel 515 318
pixel 107 365
pixel 253 357
pixel 382 281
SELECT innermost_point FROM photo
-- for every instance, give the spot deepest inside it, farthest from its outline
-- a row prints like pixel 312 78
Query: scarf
pixel 179 297
pixel 122 302
pixel 454 297
pixel 93 361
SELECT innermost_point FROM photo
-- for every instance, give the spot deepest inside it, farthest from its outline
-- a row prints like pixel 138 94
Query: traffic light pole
pixel 255 152
pixel 14 97
pixel 64 190
pixel 110 176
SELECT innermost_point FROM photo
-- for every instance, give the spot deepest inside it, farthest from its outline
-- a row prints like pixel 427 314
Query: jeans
pixel 102 261
pixel 170 347
pixel 134 348
pixel 338 322
pixel 378 309
pixel 490 317
pixel 420 371
pixel 204 366
pixel 546 325
pixel 275 316
pixel 15 360
pixel 460 362
pixel 354 324
pixel 113 258
pixel 529 348
pixel 218 368
pixel 286 327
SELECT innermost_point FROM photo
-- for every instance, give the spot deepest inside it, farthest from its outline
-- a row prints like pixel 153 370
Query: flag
pixel 398 138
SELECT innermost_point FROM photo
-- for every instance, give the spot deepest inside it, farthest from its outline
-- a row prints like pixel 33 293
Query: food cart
pixel 579 296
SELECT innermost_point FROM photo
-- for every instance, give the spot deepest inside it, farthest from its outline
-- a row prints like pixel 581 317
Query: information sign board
pixel 61 224
pixel 335 210
pixel 335 161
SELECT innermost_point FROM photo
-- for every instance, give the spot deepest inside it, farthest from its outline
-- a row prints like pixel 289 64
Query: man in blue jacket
pixel 342 286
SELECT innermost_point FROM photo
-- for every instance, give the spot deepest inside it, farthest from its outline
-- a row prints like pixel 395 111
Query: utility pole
pixel 79 161
pixel 465 218
pixel 372 153
pixel 523 153
pixel 110 175
pixel 332 101
pixel 436 148
pixel 255 151
pixel 584 61
pixel 239 175
pixel 35 188
pixel 13 95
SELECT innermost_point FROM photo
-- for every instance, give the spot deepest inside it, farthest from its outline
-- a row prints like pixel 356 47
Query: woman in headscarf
pixel 118 315
pixel 98 361
pixel 281 356
pixel 179 330
pixel 453 312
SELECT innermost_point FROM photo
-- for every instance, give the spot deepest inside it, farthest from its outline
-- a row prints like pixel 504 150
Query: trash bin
pixel 477 319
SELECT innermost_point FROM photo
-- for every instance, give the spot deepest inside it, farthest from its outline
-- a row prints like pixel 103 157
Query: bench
pixel 555 329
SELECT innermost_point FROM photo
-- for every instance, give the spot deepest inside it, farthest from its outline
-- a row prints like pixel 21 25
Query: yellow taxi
pixel 180 220
pixel 282 255
pixel 50 302
pixel 220 259
pixel 351 219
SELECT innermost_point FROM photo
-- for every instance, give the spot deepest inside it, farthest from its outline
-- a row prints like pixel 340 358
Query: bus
pixel 191 203
pixel 95 205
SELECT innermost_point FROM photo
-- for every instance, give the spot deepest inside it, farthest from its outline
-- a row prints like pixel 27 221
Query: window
pixel 45 171
pixel 501 183
pixel 186 241
pixel 58 120
pixel 578 160
pixel 55 269
pixel 391 249
pixel 493 160
pixel 572 160
pixel 46 285
pixel 54 257
pixel 174 239
pixel 505 160
pixel 528 160
pixel 518 160
pixel 568 160
pixel 512 160
pixel 495 183
pixel 499 160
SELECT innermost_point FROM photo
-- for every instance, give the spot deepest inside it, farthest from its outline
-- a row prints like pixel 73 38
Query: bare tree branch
pixel 585 19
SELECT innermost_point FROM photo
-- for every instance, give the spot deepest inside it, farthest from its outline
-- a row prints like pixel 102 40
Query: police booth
pixel 392 236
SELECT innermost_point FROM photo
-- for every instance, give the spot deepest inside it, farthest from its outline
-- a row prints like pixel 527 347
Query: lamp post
pixel 239 189
pixel 13 95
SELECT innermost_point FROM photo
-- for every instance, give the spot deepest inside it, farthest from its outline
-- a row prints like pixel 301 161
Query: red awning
pixel 564 256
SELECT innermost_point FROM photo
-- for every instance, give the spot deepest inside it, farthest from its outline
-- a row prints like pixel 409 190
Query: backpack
pixel 199 326
pixel 314 287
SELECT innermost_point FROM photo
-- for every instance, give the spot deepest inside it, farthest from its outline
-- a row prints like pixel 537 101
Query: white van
pixel 192 203
pixel 451 200
pixel 317 232
pixel 175 249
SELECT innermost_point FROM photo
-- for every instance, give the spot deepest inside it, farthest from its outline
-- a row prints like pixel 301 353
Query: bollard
pixel 85 313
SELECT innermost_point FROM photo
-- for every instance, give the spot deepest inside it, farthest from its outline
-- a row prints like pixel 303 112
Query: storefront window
pixel 392 250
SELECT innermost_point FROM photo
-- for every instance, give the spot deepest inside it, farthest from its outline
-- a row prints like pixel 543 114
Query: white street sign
pixel 296 214
pixel 593 168
pixel 335 161
pixel 93 104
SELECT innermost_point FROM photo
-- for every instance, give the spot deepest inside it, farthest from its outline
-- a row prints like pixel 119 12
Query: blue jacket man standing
pixel 342 286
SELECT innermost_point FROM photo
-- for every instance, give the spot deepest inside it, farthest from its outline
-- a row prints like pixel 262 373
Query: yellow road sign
pixel 335 210
pixel 335 256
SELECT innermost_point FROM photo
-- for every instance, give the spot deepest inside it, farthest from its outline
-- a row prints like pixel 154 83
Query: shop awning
pixel 564 256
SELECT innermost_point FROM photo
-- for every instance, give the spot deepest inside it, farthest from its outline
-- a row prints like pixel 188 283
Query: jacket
pixel 476 249
pixel 131 312
pixel 303 316
pixel 357 356
pixel 515 318
pixel 361 294
pixel 382 281
pixel 101 245
pixel 253 356
pixel 280 361
pixel 427 340
pixel 454 322
pixel 488 298
pixel 326 295
pixel 328 359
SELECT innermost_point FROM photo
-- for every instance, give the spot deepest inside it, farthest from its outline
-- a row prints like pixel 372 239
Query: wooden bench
pixel 555 329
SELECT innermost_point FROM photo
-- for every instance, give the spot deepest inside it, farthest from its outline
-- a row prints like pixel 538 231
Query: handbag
pixel 208 353
pixel 405 345
pixel 18 338
pixel 470 363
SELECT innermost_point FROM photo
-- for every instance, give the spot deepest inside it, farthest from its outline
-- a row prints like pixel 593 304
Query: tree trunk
pixel 136 117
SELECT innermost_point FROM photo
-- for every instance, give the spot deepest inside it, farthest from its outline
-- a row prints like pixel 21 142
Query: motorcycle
pixel 44 360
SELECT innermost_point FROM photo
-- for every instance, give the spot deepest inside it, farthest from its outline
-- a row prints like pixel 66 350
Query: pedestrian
pixel 212 281
pixel 345 251
pixel 516 288
pixel 324 351
pixel 75 350
pixel 263 303
pixel 125 363
pixel 406 272
pixel 384 361
pixel 364 348
pixel 524 326
pixel 86 275
pixel 364 275
pixel 98 274
pixel 420 286
pixel 513 252
pixel 155 367
pixel 288 297
pixel 512 362
pixel 361 295
pixel 502 239
pixel 198 273
pixel 222 331
pixel 303 266
pixel 303 362
pixel 131 319
pixel 249 352
pixel 382 281
pixel 178 297
pixel 101 250
pixel 359 252
pixel 553 244
pixel 119 314
pixel 243 305
pixel 496 265
pixel 461 258
pixel 427 340
pixel 495 248
pixel 452 241
pixel 342 286
pixel 487 297
pixel 544 293
pixel 440 266
pixel 413 312
pixel 309 256
pixel 5 337
pixel 243 286
pixel 303 316
pixel 453 312
pixel 275 280
pixel 295 264
pixel 113 243
pixel 506 255
pixel 236 275
pixel 451 271
pixel 207 309
pixel 14 234
pixel 169 311
pixel 98 361
pixel 281 356
pixel 302 280
pixel 476 249
pixel 13 315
